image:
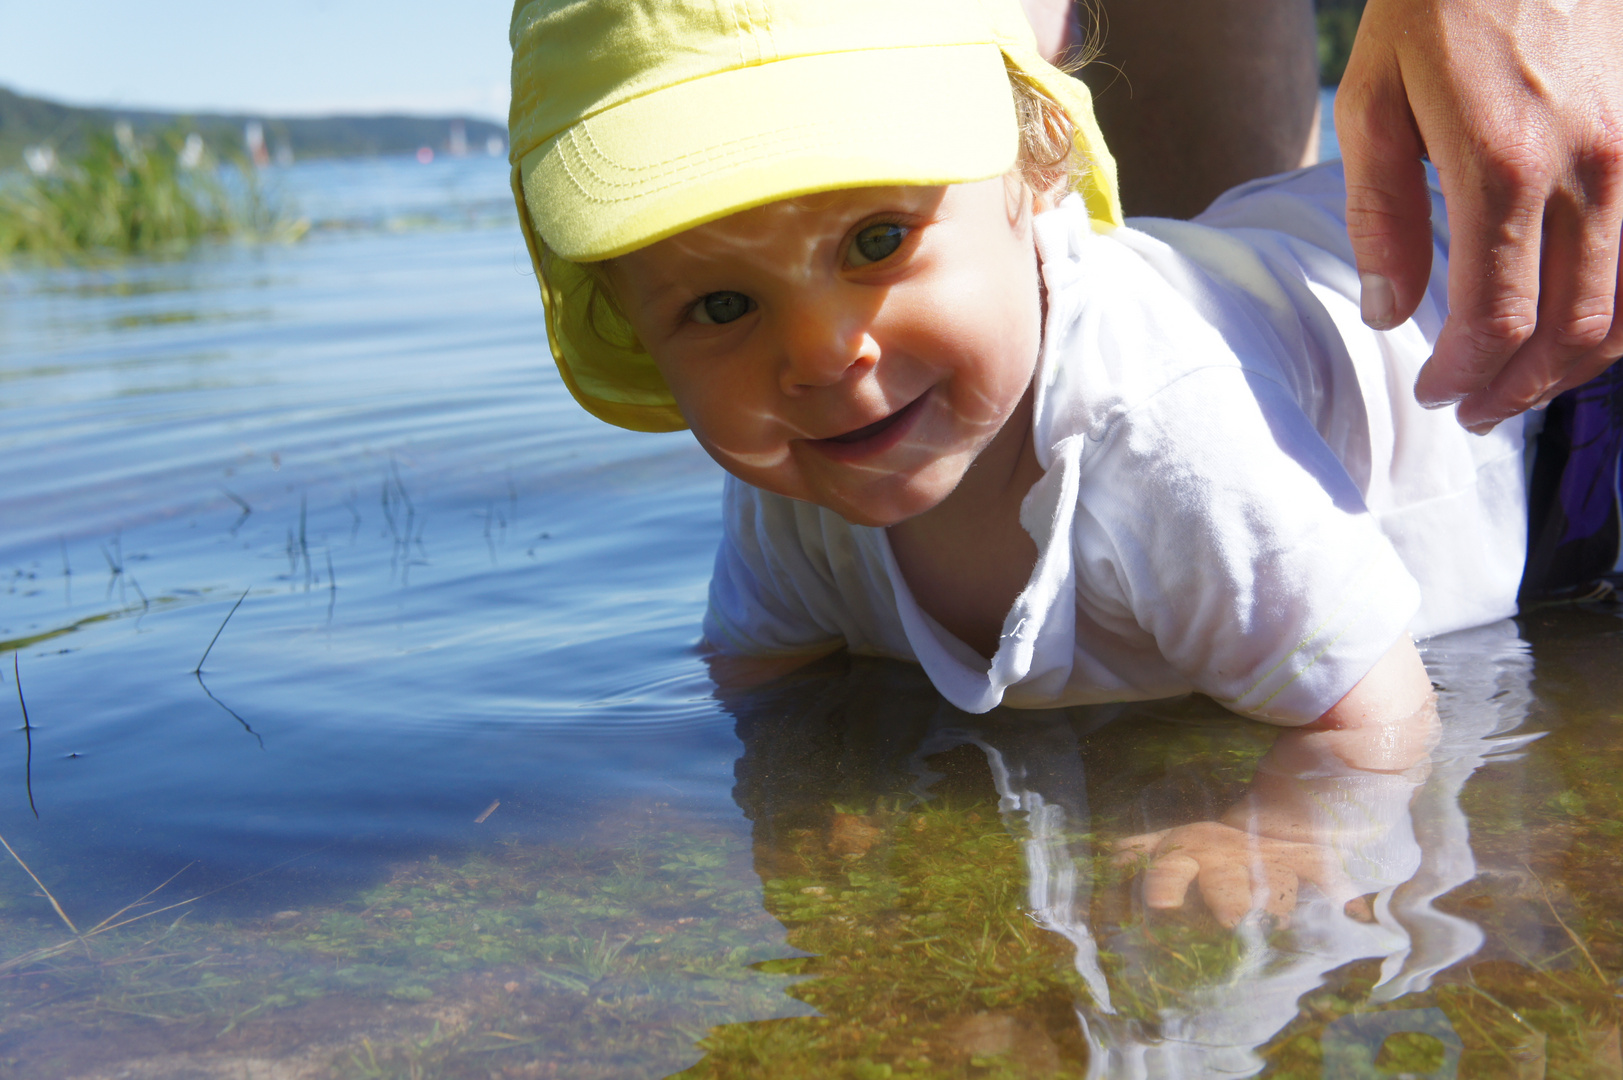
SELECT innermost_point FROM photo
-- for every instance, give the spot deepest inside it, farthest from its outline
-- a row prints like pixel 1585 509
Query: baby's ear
pixel 1023 197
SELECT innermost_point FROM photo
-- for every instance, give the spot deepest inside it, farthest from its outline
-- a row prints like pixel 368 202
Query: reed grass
pixel 132 196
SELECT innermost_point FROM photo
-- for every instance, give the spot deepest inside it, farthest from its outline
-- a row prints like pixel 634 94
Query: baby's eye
pixel 876 242
pixel 722 307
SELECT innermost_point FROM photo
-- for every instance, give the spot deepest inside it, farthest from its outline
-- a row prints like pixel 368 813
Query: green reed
pixel 130 195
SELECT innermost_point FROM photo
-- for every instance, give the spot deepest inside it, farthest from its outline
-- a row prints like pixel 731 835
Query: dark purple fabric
pixel 1573 531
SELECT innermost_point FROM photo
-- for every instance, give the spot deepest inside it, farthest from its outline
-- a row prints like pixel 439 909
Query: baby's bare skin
pixel 872 351
pixel 1278 834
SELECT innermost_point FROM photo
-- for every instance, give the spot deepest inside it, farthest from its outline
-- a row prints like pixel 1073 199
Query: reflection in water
pixel 852 764
pixel 454 602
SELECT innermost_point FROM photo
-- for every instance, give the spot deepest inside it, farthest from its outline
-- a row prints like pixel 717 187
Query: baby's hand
pixel 1239 872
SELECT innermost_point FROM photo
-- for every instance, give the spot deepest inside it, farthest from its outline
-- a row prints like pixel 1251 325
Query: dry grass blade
pixel 1562 923
pixel 113 922
pixel 62 914
pixel 108 923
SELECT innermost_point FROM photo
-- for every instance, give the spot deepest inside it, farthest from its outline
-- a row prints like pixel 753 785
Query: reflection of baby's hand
pixel 1239 872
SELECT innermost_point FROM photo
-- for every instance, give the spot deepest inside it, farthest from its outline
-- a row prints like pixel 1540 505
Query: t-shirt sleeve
pixel 768 596
pixel 1214 517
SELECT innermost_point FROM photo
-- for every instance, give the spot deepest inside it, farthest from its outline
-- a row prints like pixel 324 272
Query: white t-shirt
pixel 1240 497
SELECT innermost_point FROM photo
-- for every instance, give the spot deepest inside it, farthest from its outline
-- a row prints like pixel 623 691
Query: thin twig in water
pixel 388 510
pixel 394 467
pixel 198 669
pixel 197 673
pixel 232 712
pixel 246 509
pixel 28 736
pixel 332 588
pixel 304 544
pixel 136 585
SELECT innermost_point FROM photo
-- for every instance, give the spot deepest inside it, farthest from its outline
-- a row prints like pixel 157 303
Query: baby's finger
pixel 1137 847
pixel 1229 891
pixel 1167 882
pixel 1322 867
pixel 1280 899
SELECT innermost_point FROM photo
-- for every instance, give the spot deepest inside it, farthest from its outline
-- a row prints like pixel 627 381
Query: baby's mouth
pixel 870 430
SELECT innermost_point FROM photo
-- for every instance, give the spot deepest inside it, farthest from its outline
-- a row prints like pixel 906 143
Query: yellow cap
pixel 633 120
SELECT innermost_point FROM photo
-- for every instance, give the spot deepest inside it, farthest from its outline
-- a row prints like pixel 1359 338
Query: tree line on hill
pixel 67 131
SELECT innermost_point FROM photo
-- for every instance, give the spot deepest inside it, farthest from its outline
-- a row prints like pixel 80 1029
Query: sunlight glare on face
pixel 865 379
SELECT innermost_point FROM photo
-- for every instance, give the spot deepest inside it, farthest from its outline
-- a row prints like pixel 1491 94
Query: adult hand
pixel 1519 104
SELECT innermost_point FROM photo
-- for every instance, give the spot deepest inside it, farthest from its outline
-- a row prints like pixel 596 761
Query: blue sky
pixel 283 56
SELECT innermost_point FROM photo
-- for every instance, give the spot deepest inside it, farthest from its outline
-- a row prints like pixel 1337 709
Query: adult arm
pixel 1519 104
pixel 1194 98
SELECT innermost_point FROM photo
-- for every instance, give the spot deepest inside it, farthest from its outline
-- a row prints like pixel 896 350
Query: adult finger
pixel 1577 302
pixel 1388 204
pixel 1496 218
pixel 1167 882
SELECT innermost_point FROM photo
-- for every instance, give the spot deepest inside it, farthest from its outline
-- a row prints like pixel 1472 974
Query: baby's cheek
pixel 739 462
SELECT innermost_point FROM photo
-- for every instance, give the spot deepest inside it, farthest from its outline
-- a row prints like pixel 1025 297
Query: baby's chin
pixel 878 495
pixel 889 500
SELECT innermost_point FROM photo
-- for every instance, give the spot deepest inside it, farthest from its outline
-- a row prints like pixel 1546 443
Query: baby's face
pixel 857 349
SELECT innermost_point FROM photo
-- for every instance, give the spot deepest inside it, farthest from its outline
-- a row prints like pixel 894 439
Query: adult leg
pixel 1196 96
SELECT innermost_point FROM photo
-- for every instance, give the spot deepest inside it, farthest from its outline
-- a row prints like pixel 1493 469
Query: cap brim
pixel 697 151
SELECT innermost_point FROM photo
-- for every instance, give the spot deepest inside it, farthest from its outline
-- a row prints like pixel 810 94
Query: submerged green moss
pixel 862 932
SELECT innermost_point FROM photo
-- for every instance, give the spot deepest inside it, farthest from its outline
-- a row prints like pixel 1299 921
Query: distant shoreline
pixel 37 123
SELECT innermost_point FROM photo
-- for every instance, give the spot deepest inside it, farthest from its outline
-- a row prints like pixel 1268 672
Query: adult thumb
pixel 1388 204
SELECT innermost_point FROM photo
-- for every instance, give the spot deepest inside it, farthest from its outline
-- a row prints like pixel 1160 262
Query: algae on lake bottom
pixel 881 921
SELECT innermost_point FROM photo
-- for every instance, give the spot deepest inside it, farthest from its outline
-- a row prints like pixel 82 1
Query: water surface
pixel 452 794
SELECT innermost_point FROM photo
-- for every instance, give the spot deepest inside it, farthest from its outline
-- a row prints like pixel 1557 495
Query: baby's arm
pixel 733 672
pixel 1366 753
pixel 1386 723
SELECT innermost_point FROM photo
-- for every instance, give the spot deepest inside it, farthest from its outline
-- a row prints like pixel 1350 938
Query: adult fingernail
pixel 1482 427
pixel 1377 302
pixel 1431 399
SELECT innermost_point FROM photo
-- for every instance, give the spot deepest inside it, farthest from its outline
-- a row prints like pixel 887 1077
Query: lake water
pixel 452 795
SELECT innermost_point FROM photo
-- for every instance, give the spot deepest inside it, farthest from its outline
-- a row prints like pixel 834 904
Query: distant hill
pixel 29 121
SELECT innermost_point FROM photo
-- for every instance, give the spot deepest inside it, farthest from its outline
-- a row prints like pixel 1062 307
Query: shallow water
pixel 452 795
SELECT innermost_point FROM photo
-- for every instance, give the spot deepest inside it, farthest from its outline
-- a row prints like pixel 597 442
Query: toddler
pixel 870 253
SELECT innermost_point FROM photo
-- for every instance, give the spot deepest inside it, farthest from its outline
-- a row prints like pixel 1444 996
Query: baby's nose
pixel 822 345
